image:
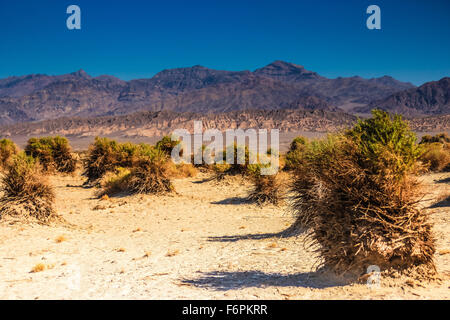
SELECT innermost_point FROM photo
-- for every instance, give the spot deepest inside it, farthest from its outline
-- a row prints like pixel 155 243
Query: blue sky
pixel 136 39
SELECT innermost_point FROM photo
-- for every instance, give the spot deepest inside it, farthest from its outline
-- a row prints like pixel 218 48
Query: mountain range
pixel 279 85
pixel 280 95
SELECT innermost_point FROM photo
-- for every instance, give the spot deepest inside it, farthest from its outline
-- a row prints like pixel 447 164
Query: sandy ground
pixel 203 243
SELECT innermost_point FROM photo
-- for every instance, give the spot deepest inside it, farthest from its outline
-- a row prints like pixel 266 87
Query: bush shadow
pixel 235 280
pixel 292 231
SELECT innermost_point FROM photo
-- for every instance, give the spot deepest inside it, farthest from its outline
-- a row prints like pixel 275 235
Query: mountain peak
pixel 282 70
pixel 81 74
pixel 284 64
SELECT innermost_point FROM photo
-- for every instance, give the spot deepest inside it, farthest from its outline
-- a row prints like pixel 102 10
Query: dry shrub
pixel 436 156
pixel 7 150
pixel 102 157
pixel 150 175
pixel 266 188
pixel 26 191
pixel 105 155
pixel 54 153
pixel 355 194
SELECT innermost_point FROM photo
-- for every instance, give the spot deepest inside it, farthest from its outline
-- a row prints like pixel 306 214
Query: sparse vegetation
pixel 54 153
pixel 356 196
pixel 26 191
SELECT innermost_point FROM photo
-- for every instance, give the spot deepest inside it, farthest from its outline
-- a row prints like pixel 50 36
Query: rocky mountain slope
pixel 279 85
pixel 158 123
pixel 429 99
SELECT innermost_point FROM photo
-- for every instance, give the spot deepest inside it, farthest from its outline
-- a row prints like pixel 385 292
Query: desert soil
pixel 204 242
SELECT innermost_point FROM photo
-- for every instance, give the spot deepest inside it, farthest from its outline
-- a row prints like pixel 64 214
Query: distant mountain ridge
pixel 429 99
pixel 279 85
pixel 159 123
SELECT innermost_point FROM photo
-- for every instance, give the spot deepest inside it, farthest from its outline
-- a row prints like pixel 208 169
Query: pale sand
pixel 220 248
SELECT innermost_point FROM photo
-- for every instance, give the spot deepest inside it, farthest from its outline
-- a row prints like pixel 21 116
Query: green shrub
pixel 166 145
pixel 54 153
pixel 385 142
pixel 295 153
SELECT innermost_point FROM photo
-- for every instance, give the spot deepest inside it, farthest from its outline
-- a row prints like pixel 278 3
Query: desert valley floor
pixel 204 242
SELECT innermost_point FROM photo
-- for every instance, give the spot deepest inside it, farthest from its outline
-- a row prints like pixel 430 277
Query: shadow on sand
pixel 233 201
pixel 223 281
pixel 292 231
pixel 444 180
pixel 441 204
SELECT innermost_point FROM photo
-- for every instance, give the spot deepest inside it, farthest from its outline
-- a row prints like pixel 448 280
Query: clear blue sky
pixel 136 39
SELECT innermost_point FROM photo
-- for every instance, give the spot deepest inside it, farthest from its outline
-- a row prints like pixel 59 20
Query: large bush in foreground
pixel 357 197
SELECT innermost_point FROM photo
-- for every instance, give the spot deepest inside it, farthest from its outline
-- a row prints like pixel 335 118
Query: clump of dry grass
pixel 54 153
pixel 172 253
pixel 7 150
pixel 26 191
pixel 60 239
pixel 102 157
pixel 38 268
pixel 356 195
